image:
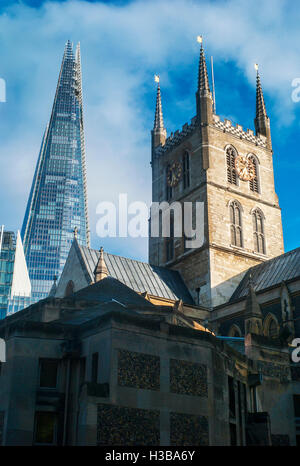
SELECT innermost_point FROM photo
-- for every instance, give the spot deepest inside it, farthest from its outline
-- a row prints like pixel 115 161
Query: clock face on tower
pixel 244 168
pixel 174 174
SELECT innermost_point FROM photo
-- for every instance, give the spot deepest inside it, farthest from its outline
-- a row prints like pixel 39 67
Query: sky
pixel 123 44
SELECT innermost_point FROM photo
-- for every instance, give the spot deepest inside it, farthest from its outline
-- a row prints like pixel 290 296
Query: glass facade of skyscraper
pixel 7 258
pixel 15 287
pixel 58 200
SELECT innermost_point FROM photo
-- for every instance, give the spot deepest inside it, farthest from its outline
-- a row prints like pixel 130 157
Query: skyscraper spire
pixel 204 100
pixel 261 121
pixel 58 197
pixel 159 133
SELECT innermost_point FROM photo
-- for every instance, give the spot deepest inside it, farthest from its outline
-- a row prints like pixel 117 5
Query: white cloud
pixel 122 47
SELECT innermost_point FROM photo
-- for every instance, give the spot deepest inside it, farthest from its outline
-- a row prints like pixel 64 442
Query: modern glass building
pixel 58 199
pixel 15 287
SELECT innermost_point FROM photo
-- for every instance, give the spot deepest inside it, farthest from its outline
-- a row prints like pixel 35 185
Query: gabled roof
pixel 139 276
pixel 270 273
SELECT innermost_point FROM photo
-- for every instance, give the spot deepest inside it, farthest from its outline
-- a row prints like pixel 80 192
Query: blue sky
pixel 123 45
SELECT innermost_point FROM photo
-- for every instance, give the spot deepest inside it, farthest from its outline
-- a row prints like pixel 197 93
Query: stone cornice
pixel 239 193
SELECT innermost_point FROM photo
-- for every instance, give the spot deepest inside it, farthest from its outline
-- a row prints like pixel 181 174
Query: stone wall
pixel 187 429
pixel 188 378
pixel 117 425
pixel 225 264
pixel 138 370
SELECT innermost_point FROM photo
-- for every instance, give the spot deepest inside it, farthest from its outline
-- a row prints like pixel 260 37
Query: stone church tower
pixel 229 170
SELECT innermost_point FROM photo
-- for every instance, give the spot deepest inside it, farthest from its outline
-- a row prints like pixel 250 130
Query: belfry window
pixel 169 190
pixel 258 232
pixel 230 161
pixel 254 183
pixel 170 240
pixel 186 170
pixel 236 224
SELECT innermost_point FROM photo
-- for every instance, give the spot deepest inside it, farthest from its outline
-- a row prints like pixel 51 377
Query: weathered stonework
pixel 188 378
pixel 281 372
pixel 117 425
pixel 138 370
pixel 187 429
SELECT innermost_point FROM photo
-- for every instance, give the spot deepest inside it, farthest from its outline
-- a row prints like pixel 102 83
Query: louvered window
pixel 258 232
pixel 236 224
pixel 186 170
pixel 254 184
pixel 230 160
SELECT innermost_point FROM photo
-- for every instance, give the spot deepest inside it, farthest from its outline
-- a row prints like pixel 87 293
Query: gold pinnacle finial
pixel 75 232
pixel 256 66
pixel 156 78
pixel 199 39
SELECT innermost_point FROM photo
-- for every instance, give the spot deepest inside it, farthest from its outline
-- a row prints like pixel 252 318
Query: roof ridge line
pixel 129 258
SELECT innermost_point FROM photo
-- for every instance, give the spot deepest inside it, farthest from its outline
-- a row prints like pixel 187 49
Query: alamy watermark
pixel 296 91
pixel 162 219
pixel 2 90
pixel 2 351
pixel 296 352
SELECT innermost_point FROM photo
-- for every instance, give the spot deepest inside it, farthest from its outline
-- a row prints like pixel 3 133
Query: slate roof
pixel 110 289
pixel 139 276
pixel 270 273
pixel 112 295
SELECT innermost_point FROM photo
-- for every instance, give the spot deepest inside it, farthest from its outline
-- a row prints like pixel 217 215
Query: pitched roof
pixel 270 273
pixel 110 289
pixel 139 276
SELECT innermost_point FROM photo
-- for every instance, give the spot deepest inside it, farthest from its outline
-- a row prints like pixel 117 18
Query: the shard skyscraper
pixel 57 203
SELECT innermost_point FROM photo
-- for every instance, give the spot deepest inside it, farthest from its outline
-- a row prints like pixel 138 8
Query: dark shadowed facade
pixel 105 366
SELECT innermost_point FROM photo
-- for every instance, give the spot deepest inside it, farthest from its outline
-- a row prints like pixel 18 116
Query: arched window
pixel 186 169
pixel 170 239
pixel 230 161
pixel 235 331
pixel 254 184
pixel 69 288
pixel 169 191
pixel 271 328
pixel 258 231
pixel 236 224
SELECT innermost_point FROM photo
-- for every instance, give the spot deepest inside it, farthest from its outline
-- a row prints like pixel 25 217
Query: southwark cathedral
pixel 196 346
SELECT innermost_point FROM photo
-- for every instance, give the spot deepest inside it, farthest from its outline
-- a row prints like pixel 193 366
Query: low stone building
pixel 105 366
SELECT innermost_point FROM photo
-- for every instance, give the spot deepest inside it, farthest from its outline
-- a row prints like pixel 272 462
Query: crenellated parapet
pixel 176 138
pixel 225 126
pixel 238 131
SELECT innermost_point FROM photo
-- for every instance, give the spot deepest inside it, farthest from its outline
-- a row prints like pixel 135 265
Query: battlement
pixel 176 138
pixel 227 127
